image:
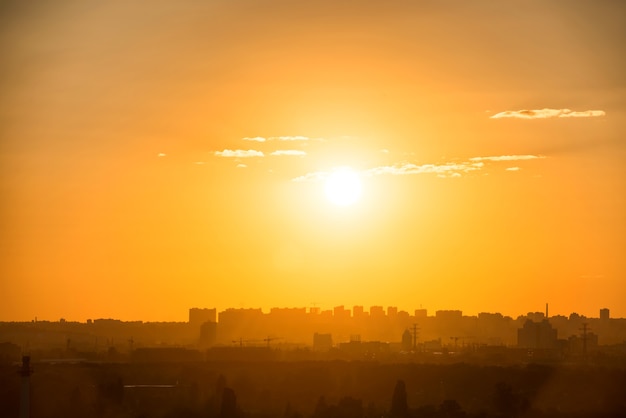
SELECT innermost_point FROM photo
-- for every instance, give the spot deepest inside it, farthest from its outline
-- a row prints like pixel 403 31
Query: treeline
pixel 336 389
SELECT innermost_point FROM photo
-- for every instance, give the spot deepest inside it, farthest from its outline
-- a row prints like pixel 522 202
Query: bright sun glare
pixel 343 187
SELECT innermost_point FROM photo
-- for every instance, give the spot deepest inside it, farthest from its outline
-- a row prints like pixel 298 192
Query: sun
pixel 343 187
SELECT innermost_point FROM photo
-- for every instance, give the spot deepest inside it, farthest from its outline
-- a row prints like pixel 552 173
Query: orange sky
pixel 156 156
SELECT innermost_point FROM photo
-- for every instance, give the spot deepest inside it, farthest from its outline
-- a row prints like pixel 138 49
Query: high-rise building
pixel 322 342
pixel 377 312
pixel 241 324
pixel 421 313
pixel 208 334
pixel 340 313
pixel 537 335
pixel 604 314
pixel 407 340
pixel 198 316
pixel 536 316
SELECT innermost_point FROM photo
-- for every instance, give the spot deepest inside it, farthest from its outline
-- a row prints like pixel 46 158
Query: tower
pixel 414 334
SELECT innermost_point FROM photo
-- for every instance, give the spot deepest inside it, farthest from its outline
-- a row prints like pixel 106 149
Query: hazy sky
pixel 159 155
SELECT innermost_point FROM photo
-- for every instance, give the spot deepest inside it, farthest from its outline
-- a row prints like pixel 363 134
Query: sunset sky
pixel 159 155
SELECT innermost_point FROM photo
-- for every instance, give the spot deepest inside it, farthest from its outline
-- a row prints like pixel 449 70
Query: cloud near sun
pixel 508 158
pixel 445 170
pixel 289 152
pixel 276 138
pixel 547 113
pixel 239 153
pixel 442 170
pixel 451 169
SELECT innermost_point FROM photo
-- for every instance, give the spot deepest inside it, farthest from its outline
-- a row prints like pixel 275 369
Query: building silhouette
pixel 322 342
pixel 604 314
pixel 537 335
pixel 198 316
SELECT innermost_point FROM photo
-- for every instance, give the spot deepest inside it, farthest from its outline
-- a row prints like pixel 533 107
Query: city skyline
pixel 438 154
pixel 291 329
pixel 352 311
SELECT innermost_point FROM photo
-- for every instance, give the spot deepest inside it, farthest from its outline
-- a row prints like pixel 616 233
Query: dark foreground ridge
pixel 314 389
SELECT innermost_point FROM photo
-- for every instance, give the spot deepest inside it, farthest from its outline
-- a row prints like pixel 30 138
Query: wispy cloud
pixel 278 138
pixel 314 176
pixel 507 158
pixel 290 138
pixel 445 170
pixel 161 154
pixel 442 170
pixel 241 166
pixel 584 114
pixel 290 152
pixel 548 113
pixel 239 153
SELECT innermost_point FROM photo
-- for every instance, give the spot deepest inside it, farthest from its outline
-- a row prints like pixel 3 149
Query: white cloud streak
pixel 314 176
pixel 548 113
pixel 443 170
pixel 508 158
pixel 450 169
pixel 585 114
pixel 276 138
pixel 289 152
pixel 290 138
pixel 239 153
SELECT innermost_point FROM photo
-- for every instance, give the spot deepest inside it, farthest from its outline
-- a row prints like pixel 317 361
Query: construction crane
pixel 455 338
pixel 241 341
pixel 270 339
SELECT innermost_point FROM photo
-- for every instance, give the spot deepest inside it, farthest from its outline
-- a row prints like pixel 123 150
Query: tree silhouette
pixel 220 384
pixel 426 411
pixel 290 413
pixel 399 406
pixel 450 408
pixel 349 407
pixel 229 404
pixel 507 404
pixel 215 403
pixel 320 408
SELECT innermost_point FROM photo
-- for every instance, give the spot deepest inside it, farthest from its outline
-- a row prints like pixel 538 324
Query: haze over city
pixel 156 156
